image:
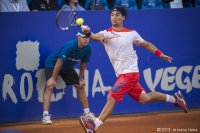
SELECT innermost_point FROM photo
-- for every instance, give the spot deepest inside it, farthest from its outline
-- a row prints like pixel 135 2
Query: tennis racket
pixel 66 19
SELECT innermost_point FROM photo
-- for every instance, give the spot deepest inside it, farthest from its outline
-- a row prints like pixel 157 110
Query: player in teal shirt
pixel 70 54
pixel 61 63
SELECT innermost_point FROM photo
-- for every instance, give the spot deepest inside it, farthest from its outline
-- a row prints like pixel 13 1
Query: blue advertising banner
pixel 28 38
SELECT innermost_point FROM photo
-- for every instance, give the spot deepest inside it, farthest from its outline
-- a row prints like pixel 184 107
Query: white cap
pixel 81 34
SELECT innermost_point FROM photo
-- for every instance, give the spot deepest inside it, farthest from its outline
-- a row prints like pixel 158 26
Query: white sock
pixel 170 98
pixel 98 123
pixel 45 113
pixel 86 110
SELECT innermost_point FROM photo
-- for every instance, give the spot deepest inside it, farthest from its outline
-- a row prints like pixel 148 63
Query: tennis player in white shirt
pixel 119 44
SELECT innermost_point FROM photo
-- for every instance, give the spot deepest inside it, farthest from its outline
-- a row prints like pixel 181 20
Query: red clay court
pixel 161 122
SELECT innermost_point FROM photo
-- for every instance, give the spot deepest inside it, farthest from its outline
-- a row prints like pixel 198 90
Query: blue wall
pixel 27 38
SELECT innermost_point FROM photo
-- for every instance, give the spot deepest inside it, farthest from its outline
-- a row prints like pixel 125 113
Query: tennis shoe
pixel 46 120
pixel 89 116
pixel 87 124
pixel 180 101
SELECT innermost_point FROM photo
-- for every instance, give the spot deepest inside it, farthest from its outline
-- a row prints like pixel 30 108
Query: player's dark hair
pixel 121 9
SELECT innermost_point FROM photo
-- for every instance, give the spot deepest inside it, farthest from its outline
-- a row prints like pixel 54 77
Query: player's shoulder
pixel 88 47
pixel 124 29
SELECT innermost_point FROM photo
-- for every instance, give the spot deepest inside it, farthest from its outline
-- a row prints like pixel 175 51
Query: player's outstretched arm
pixel 152 48
pixel 97 37
pixel 166 57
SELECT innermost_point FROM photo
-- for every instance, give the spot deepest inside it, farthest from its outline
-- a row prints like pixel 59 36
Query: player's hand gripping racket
pixel 67 19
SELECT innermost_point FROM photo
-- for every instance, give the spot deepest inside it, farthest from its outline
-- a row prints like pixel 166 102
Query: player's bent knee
pixel 78 87
pixel 144 99
pixel 50 88
pixel 141 101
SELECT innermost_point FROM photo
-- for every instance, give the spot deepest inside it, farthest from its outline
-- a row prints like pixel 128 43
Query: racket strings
pixel 65 19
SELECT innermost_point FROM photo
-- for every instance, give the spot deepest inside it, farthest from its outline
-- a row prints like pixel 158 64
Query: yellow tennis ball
pixel 79 21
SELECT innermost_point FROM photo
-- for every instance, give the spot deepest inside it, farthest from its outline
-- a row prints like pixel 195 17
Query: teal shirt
pixel 70 54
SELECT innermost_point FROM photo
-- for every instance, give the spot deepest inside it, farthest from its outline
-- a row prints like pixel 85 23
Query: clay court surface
pixel 164 122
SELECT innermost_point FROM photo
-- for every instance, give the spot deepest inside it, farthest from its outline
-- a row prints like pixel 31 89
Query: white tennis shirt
pixel 120 50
